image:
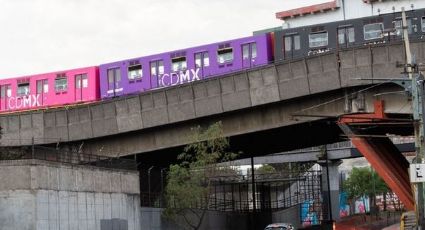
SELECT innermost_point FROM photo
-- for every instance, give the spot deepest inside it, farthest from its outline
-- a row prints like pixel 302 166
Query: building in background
pixel 340 10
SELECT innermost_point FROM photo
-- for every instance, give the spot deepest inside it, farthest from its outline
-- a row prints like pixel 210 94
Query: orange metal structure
pixel 381 153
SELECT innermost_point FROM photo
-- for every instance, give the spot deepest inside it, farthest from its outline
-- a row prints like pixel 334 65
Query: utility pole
pixel 418 117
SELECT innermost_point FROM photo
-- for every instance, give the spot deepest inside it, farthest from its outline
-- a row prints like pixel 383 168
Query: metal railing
pixel 62 156
pixel 273 192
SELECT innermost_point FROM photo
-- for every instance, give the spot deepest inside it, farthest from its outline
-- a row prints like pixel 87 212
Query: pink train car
pixel 50 89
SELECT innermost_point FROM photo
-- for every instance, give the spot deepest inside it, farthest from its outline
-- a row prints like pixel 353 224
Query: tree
pixel 189 182
pixel 265 169
pixel 364 182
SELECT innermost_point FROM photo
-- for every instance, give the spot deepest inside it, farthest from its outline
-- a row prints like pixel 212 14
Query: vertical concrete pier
pixel 39 195
pixel 330 188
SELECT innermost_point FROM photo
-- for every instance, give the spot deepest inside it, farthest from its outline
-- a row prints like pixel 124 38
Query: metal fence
pixel 68 157
pixel 273 191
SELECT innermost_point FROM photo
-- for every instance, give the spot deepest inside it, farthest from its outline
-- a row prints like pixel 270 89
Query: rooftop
pixel 318 8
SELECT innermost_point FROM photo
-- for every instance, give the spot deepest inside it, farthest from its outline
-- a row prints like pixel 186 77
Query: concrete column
pixel 330 188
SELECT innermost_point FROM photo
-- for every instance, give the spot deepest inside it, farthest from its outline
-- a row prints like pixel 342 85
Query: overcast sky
pixel 40 36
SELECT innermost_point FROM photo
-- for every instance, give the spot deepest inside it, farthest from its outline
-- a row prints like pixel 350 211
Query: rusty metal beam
pixel 381 153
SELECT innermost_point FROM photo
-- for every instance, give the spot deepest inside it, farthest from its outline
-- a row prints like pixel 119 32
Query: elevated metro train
pixel 130 76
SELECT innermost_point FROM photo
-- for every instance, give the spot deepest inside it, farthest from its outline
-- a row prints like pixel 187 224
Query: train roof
pixel 243 39
pixel 48 73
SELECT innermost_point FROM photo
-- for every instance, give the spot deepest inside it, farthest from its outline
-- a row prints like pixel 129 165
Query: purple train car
pixel 178 67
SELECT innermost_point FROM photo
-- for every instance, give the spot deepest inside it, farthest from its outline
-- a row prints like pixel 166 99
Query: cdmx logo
pixel 24 102
pixel 181 77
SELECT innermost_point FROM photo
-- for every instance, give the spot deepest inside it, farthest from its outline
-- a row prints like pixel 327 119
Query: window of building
pixel 373 31
pixel 23 89
pixel 202 59
pixel 61 83
pixel 225 55
pixel 178 63
pixel 399 28
pixel 318 39
pixel 5 91
pixel 346 35
pixel 135 72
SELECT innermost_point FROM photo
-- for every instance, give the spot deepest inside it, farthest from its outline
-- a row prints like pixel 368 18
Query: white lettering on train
pixel 180 78
pixel 24 102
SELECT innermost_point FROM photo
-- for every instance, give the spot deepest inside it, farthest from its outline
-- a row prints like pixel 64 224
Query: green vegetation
pixel 265 169
pixel 189 182
pixel 364 182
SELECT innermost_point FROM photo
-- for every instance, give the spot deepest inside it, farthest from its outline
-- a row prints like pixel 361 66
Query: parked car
pixel 280 226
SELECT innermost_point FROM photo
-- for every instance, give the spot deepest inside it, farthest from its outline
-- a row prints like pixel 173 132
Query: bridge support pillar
pixel 330 188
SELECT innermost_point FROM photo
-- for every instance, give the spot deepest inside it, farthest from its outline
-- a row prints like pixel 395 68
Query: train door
pixel 114 81
pixel 5 94
pixel 398 27
pixel 202 61
pixel 42 90
pixel 157 72
pixel 291 46
pixel 81 85
pixel 249 53
pixel 345 36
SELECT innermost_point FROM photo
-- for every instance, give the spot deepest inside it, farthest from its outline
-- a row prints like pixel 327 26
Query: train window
pixel 399 28
pixel 153 69
pixel 81 81
pixel 292 42
pixel 297 43
pixel 373 31
pixel 346 35
pixel 42 86
pixel 2 91
pixel 224 55
pixel 254 50
pixel 160 67
pixel 157 67
pixel 135 72
pixel 202 59
pixel 61 84
pixel 318 39
pixel 288 43
pixel 110 76
pixel 6 91
pixel 178 63
pixel 23 89
pixel 245 51
pixel 423 24
pixel 249 50
pixel 206 59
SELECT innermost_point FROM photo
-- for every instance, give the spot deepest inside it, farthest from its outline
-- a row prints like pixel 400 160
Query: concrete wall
pixel 291 215
pixel 152 219
pixel 245 92
pixel 35 195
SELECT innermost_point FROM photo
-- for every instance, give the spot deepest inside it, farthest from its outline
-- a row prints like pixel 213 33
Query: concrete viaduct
pixel 270 109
